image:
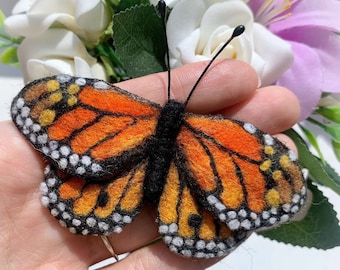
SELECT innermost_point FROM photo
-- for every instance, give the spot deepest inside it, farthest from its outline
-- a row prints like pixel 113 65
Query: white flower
pixel 56 32
pixel 57 51
pixel 88 19
pixel 196 30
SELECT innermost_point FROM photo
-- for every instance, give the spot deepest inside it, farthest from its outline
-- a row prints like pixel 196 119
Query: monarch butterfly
pixel 215 179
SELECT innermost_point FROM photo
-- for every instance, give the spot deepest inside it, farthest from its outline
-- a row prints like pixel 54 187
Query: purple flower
pixel 311 27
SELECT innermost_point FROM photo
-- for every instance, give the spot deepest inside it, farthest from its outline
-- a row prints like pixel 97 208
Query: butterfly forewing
pixel 247 178
pixel 81 124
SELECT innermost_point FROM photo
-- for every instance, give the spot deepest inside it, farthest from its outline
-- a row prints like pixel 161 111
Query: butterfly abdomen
pixel 162 148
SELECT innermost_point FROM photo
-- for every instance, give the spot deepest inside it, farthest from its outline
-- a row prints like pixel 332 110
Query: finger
pixel 157 256
pixel 226 83
pixel 228 88
pixel 287 142
pixel 137 234
pixel 273 109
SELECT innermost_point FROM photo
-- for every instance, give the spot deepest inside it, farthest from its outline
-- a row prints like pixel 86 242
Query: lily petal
pixel 53 44
pixel 216 15
pixel 179 26
pixel 16 24
pixel 22 6
pixel 304 78
pixel 311 13
pixel 269 46
pixel 327 46
pixel 83 69
pixel 37 67
pixel 187 48
pixel 85 10
pixel 30 26
pixel 77 16
pixel 255 5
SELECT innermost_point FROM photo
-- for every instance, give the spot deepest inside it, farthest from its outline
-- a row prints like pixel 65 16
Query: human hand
pixel 32 239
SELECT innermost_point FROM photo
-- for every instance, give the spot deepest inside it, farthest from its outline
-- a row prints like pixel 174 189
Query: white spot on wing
pixel 101 85
pixel 80 81
pixel 249 127
pixel 62 78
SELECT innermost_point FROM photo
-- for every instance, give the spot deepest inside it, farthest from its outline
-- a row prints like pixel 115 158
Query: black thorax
pixel 162 147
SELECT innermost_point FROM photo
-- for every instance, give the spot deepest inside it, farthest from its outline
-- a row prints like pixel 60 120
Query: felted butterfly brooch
pixel 214 179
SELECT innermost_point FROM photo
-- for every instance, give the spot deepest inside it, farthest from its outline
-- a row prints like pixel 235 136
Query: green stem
pixel 111 62
pixel 3 36
pixel 313 141
pixel 13 41
pixel 315 122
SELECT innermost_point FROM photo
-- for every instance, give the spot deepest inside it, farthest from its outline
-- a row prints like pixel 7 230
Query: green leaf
pixel 2 19
pixel 109 59
pixel 318 171
pixel 319 229
pixel 332 174
pixel 9 56
pixel 3 45
pixel 125 4
pixel 139 40
pixel 334 131
pixel 332 180
pixel 336 149
pixel 330 112
pixel 312 139
pixel 331 129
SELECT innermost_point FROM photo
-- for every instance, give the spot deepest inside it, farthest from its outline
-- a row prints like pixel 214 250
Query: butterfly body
pixel 161 150
pixel 214 179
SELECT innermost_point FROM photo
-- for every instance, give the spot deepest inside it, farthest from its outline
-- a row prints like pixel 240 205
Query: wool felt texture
pixel 214 179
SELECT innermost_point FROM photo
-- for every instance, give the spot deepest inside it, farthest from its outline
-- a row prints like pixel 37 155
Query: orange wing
pixel 188 228
pixel 82 125
pixel 96 208
pixel 245 177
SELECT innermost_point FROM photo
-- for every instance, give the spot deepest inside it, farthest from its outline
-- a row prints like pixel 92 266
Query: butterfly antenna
pixel 237 31
pixel 162 9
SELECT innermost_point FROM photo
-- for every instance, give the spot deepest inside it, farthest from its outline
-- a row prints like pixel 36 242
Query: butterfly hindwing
pixel 81 125
pixel 188 228
pixel 247 178
pixel 97 208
